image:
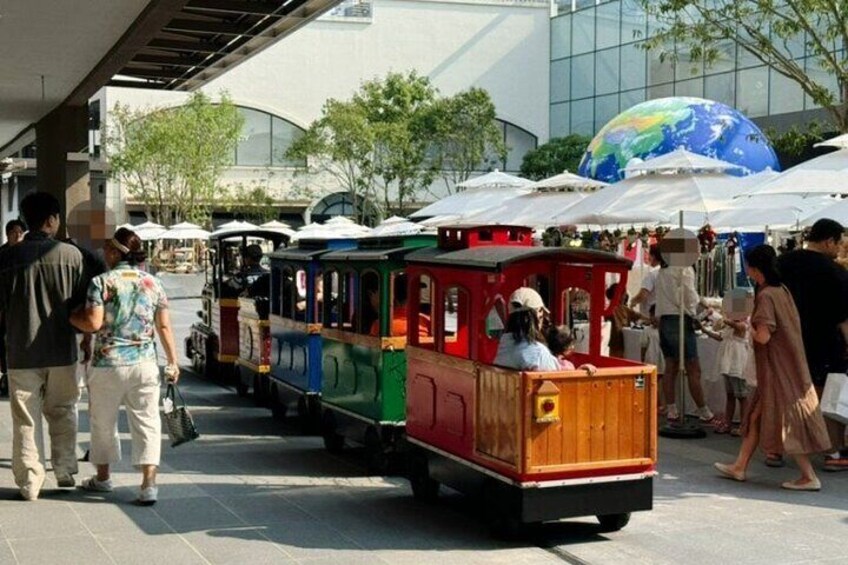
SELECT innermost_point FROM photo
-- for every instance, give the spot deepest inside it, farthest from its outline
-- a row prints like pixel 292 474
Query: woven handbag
pixel 178 420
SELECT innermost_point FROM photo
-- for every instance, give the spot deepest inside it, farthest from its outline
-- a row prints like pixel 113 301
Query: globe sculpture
pixel 657 127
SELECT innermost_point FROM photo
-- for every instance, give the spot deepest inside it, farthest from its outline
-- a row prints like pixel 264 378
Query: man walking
pixel 41 281
pixel 15 230
pixel 820 289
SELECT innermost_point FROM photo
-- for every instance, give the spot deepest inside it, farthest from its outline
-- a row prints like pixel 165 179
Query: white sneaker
pixel 94 485
pixel 148 496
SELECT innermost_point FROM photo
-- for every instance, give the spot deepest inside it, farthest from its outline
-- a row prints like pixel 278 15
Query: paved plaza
pixel 252 490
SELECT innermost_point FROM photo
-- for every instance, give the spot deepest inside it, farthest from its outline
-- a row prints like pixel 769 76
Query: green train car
pixel 363 394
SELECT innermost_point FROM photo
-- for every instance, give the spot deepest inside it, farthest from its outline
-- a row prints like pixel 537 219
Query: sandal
pixel 775 460
pixel 736 431
pixel 711 422
pixel 721 427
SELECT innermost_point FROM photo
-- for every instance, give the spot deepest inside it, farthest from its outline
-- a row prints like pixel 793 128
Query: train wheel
pixel 333 441
pixel 304 422
pixel 613 522
pixel 278 409
pixel 424 488
pixel 379 460
pixel 258 393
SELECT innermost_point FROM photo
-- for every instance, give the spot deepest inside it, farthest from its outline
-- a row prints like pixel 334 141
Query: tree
pixel 776 32
pixel 557 155
pixel 341 143
pixel 171 160
pixel 253 204
pixel 465 136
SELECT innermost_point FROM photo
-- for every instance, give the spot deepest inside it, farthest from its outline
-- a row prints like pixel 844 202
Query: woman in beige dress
pixel 784 415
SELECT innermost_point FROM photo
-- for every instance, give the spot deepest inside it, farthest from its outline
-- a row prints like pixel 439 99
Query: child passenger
pixel 561 343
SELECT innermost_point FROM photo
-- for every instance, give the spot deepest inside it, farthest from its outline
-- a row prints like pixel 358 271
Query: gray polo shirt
pixel 41 281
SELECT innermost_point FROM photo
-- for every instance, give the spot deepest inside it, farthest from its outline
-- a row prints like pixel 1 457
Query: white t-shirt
pixel 525 355
pixel 649 283
pixel 667 291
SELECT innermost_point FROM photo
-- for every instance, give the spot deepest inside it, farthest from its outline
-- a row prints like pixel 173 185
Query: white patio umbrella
pixel 837 210
pixel 536 210
pixel 495 179
pixel 404 227
pixel 236 225
pixel 680 161
pixel 566 182
pixel 827 174
pixel 275 225
pixel 840 141
pixel 470 201
pixel 185 230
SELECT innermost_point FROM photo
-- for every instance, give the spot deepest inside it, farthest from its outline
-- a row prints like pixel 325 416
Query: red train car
pixel 538 446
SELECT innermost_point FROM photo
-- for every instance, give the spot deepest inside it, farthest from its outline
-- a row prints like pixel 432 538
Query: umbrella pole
pixel 681 429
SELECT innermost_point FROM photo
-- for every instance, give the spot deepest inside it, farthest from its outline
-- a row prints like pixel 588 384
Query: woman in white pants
pixel 124 307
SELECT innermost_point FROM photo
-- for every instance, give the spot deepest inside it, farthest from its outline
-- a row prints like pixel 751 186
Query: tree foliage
pixel 557 155
pixel 171 160
pixel 253 203
pixel 395 136
pixel 778 33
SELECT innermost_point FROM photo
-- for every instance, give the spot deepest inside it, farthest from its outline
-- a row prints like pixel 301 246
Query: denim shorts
pixel 670 337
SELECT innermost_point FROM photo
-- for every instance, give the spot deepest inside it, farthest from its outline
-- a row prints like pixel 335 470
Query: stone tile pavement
pixel 252 490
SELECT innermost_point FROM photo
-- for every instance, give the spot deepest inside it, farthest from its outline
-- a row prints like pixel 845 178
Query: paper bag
pixel 834 400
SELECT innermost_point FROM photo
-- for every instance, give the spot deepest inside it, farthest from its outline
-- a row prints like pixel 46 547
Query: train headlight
pixel 546 403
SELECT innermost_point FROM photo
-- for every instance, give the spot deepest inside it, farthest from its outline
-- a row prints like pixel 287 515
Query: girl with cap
pixel 523 345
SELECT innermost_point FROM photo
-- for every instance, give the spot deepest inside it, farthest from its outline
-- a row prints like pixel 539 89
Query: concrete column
pixel 63 170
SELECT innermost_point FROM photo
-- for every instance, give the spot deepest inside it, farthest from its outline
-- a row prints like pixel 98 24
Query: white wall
pixel 499 45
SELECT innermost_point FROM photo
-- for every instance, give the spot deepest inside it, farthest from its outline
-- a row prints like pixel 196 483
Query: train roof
pixel 496 257
pixel 308 249
pixel 382 248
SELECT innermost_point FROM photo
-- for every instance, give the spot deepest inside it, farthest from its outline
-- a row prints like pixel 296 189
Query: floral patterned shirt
pixel 130 299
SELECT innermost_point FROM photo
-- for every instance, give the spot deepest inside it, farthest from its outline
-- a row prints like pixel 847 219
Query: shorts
pixel 737 386
pixel 670 338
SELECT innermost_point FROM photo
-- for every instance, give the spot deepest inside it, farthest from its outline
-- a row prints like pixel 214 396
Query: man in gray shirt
pixel 41 281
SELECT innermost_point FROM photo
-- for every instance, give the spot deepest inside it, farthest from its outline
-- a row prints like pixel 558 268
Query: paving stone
pixel 22 520
pixel 195 514
pixel 59 550
pixel 237 546
pixel 143 549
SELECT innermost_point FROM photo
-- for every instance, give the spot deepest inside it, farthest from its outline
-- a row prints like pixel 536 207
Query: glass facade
pixel 598 69
pixel 264 141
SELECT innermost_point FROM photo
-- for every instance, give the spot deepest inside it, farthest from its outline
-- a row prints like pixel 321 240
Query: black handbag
pixel 178 420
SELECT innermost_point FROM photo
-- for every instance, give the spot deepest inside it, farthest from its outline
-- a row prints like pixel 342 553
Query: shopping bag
pixel 834 400
pixel 178 420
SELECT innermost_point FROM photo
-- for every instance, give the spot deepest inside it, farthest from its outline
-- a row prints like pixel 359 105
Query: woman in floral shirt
pixel 124 307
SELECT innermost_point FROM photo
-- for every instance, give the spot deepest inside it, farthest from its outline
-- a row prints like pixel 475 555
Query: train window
pixel 369 301
pixel 347 294
pixel 299 295
pixel 318 298
pixel 575 312
pixel 333 299
pixel 496 319
pixel 456 322
pixel 276 292
pixel 287 293
pixel 541 284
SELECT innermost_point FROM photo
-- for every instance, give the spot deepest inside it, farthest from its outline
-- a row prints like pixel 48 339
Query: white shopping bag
pixel 834 400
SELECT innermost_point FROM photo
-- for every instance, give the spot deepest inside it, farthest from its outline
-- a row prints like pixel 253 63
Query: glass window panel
pixel 560 80
pixel 583 117
pixel 583 31
pixel 254 148
pixel 821 77
pixel 519 142
pixel 561 37
pixel 608 25
pixel 606 108
pixel 580 4
pixel 693 87
pixel 792 46
pixel 369 301
pixel 725 58
pixel 659 71
pixel 606 71
pixel 283 135
pixel 685 68
pixel 633 21
pixel 632 66
pixel 785 95
pixel 721 88
pixel 583 76
pixel 661 91
pixel 752 91
pixel 745 58
pixel 560 116
pixel 631 98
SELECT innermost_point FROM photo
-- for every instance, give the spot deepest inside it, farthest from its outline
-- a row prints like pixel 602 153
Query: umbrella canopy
pixel 470 201
pixel 275 225
pixel 840 141
pixel 236 225
pixel 393 220
pixel 404 227
pixel 836 210
pixel 566 182
pixel 827 174
pixel 185 230
pixel 680 161
pixel 332 230
pixel 495 179
pixel 656 197
pixel 537 209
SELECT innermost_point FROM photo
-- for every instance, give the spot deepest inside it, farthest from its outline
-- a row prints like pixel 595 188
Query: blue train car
pixel 293 384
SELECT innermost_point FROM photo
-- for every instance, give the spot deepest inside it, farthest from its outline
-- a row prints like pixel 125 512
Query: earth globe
pixel 657 127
